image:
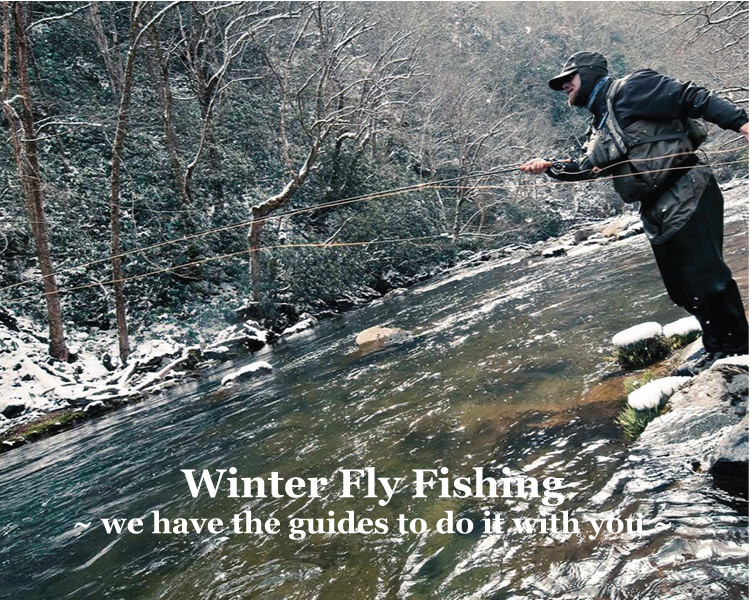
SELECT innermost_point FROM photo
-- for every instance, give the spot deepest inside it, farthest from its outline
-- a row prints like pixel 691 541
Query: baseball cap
pixel 578 61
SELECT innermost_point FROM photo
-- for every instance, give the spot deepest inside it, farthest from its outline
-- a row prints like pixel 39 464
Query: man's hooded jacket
pixel 647 104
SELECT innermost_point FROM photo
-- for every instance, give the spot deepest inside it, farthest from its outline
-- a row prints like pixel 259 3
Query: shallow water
pixel 508 368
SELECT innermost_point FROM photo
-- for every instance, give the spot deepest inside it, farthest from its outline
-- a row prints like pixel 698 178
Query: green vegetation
pixel 680 341
pixel 633 383
pixel 642 354
pixel 633 422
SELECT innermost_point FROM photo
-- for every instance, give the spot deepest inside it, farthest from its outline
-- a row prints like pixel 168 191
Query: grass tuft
pixel 680 341
pixel 642 354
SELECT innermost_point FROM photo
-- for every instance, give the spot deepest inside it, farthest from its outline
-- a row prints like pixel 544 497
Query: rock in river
pixel 382 336
pixel 247 372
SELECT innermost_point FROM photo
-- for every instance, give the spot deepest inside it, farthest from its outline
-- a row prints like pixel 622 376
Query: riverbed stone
pixel 382 336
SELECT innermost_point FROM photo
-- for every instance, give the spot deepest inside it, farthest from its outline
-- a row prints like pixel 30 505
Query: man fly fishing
pixel 643 134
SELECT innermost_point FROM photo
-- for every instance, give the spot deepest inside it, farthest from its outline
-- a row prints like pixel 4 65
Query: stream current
pixel 508 369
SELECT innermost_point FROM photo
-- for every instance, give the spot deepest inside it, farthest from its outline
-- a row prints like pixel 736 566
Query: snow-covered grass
pixel 646 402
pixel 684 326
pixel 637 333
pixel 653 393
pixel 682 332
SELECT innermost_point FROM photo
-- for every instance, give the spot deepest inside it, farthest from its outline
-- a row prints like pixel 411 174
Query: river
pixel 508 368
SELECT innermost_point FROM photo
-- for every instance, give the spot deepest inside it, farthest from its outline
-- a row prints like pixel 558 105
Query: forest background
pixel 131 125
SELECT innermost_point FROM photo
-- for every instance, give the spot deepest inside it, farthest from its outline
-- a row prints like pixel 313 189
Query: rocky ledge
pixel 705 428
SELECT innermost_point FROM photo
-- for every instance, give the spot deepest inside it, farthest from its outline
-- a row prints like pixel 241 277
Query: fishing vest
pixel 638 158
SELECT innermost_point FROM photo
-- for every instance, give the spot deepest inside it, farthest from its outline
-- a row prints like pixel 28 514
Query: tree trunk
pixel 160 75
pixel 260 211
pixel 114 203
pixel 29 173
pixel 255 267
pixel 112 65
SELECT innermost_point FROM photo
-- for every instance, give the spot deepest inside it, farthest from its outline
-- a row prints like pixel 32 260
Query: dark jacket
pixel 649 101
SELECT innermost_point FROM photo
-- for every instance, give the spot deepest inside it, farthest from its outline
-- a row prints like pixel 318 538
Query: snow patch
pixel 650 394
pixel 739 361
pixel 682 327
pixel 637 333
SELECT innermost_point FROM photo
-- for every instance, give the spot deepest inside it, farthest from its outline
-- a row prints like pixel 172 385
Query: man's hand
pixel 744 130
pixel 536 166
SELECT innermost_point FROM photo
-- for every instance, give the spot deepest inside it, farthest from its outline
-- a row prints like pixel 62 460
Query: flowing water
pixel 508 368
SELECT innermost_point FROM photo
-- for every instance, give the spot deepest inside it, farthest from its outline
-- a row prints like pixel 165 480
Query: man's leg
pixel 695 275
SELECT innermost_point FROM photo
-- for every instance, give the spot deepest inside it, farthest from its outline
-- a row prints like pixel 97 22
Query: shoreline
pixel 159 364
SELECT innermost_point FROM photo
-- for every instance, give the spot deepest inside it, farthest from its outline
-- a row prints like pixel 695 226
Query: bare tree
pixel 114 202
pixel 29 174
pixel 214 37
pixel 328 91
pixel 158 66
pixel 107 48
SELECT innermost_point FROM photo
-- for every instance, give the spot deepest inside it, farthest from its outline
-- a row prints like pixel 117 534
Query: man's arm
pixel 561 170
pixel 651 95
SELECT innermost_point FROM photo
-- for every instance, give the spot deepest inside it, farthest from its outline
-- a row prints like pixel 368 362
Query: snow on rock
pixel 153 352
pixel 248 335
pixel 257 368
pixel 650 394
pixel 218 353
pixel 307 322
pixel 737 361
pixel 682 327
pixel 637 333
pixel 32 383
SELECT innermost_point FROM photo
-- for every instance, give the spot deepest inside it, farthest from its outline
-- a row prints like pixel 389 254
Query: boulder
pixel 731 453
pixel 703 426
pixel 382 336
pixel 581 235
pixel 619 225
pixel 240 338
pixel 13 410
